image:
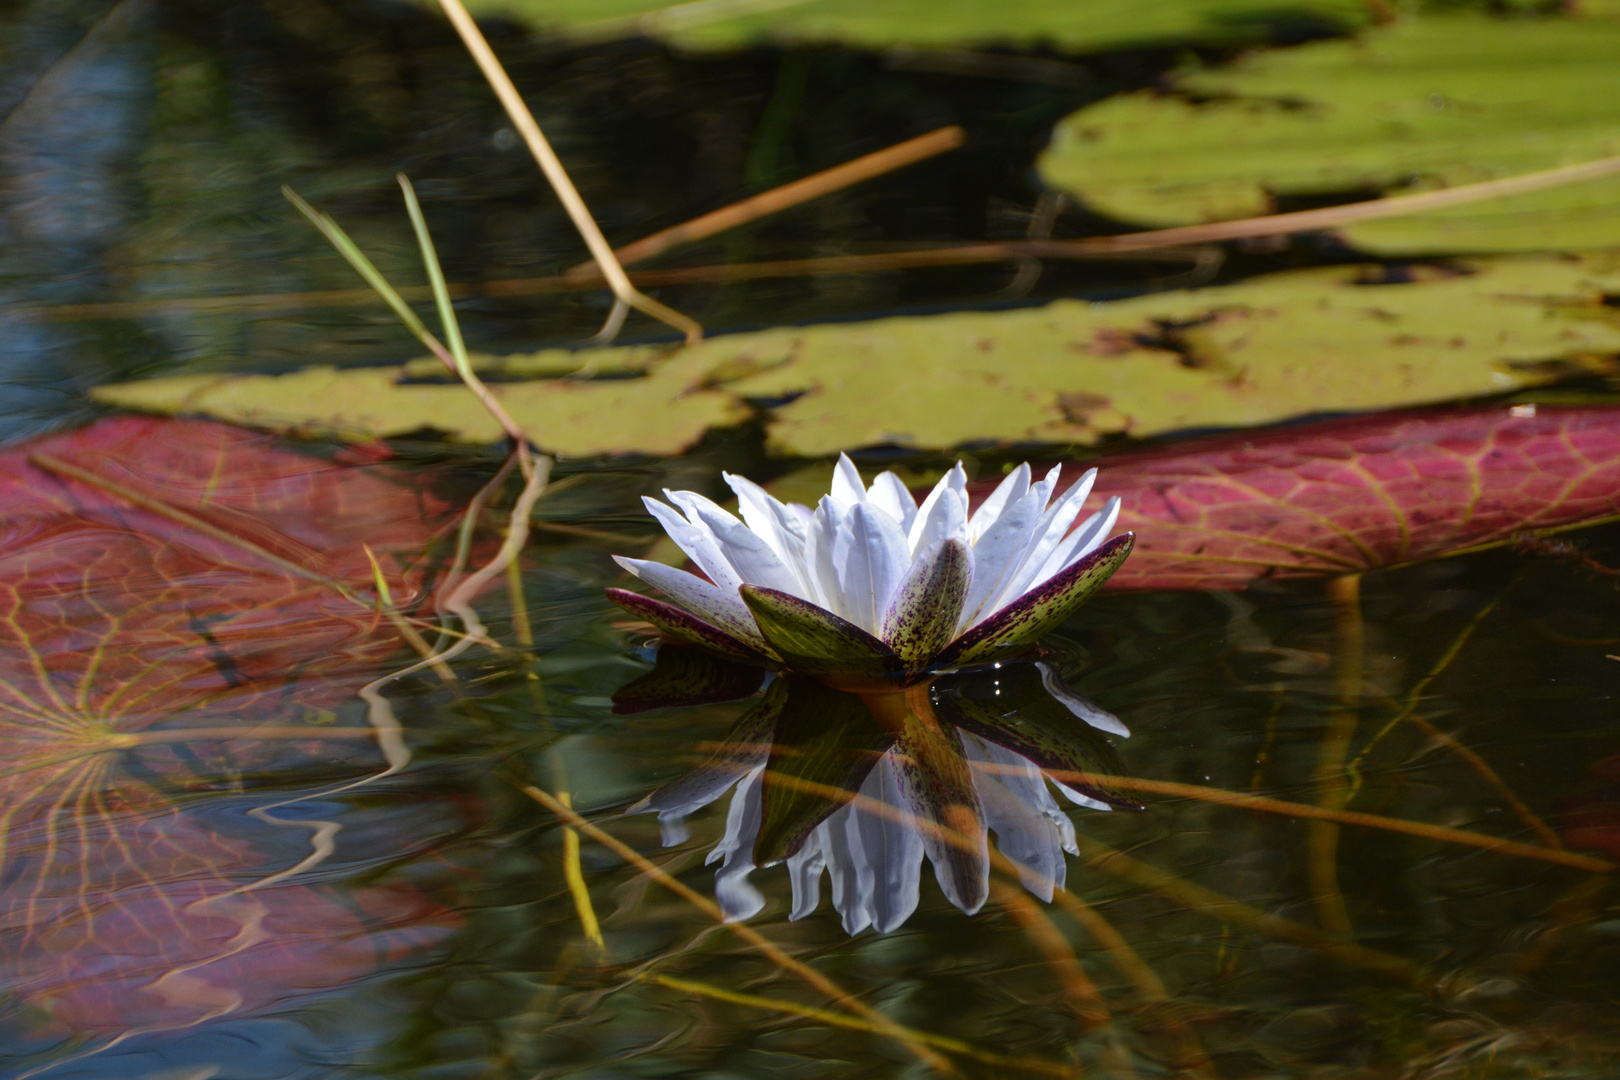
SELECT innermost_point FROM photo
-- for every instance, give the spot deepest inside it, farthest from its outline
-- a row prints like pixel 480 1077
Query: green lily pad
pixel 663 412
pixel 1062 24
pixel 1423 103
pixel 1256 352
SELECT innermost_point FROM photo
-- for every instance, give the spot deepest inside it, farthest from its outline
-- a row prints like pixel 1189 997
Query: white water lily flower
pixel 874 845
pixel 871 586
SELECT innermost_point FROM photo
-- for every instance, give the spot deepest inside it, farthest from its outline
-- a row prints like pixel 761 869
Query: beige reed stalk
pixel 524 121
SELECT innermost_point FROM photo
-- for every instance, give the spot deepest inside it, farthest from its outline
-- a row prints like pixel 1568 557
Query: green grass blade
pixel 357 259
pixel 441 293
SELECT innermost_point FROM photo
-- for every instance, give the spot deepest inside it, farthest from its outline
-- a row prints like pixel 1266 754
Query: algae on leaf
pixel 1423 103
pixel 1071 27
pixel 1259 351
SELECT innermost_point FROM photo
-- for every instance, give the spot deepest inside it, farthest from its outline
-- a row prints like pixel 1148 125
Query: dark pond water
pixel 441 936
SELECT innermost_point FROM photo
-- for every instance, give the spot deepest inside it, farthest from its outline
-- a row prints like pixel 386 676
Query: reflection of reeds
pixel 753 937
pixel 1349 650
pixel 1081 993
pixel 1207 901
pixel 1408 712
pixel 855 1023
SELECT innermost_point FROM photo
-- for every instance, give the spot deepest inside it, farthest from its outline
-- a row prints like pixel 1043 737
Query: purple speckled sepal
pixel 682 625
pixel 1040 610
pixel 813 640
pixel 922 616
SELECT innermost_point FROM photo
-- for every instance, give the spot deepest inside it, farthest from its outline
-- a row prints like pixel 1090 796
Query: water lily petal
pixel 813 640
pixel 825 743
pixel 1046 485
pixel 892 842
pixel 850 870
pixel 872 557
pixel 820 570
pixel 943 517
pixel 743 750
pixel 925 530
pixel 888 494
pixel 736 895
pixel 847 485
pixel 1016 806
pixel 1007 493
pixel 1085 539
pixel 1040 610
pixel 1047 534
pixel 748 552
pixel 682 625
pixel 1010 707
pixel 771 519
pixel 922 616
pixel 996 554
pixel 804 872
pixel 938 787
pixel 698 542
pixel 1083 708
pixel 800 513
pixel 1080 800
pixel 720 608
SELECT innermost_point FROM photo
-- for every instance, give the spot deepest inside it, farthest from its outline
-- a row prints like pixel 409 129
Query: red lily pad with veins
pixel 167 588
pixel 1344 496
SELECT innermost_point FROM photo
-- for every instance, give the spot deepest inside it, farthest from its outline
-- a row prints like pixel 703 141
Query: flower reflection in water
pixel 863 787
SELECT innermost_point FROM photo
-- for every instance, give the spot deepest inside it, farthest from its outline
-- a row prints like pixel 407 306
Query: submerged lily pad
pixel 1062 24
pixel 1422 103
pixel 1070 372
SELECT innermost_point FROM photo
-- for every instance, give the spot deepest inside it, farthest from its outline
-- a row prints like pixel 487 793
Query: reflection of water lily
pixel 830 783
pixel 870 588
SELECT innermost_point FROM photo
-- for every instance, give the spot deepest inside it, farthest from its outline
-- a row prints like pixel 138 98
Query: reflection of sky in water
pixel 67 143
pixel 896 798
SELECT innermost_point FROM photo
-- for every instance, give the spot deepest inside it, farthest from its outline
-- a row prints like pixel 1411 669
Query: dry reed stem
pixel 522 630
pixel 1085 1000
pixel 853 1023
pixel 459 601
pixel 1349 649
pixel 402 625
pixel 753 937
pixel 1243 801
pixel 1390 206
pixel 574 875
pixel 464 535
pixel 781 198
pixel 524 121
pixel 933 255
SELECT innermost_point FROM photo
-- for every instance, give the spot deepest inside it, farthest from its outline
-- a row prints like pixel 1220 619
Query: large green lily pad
pixel 1419 104
pixel 662 412
pixel 1251 353
pixel 1068 25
